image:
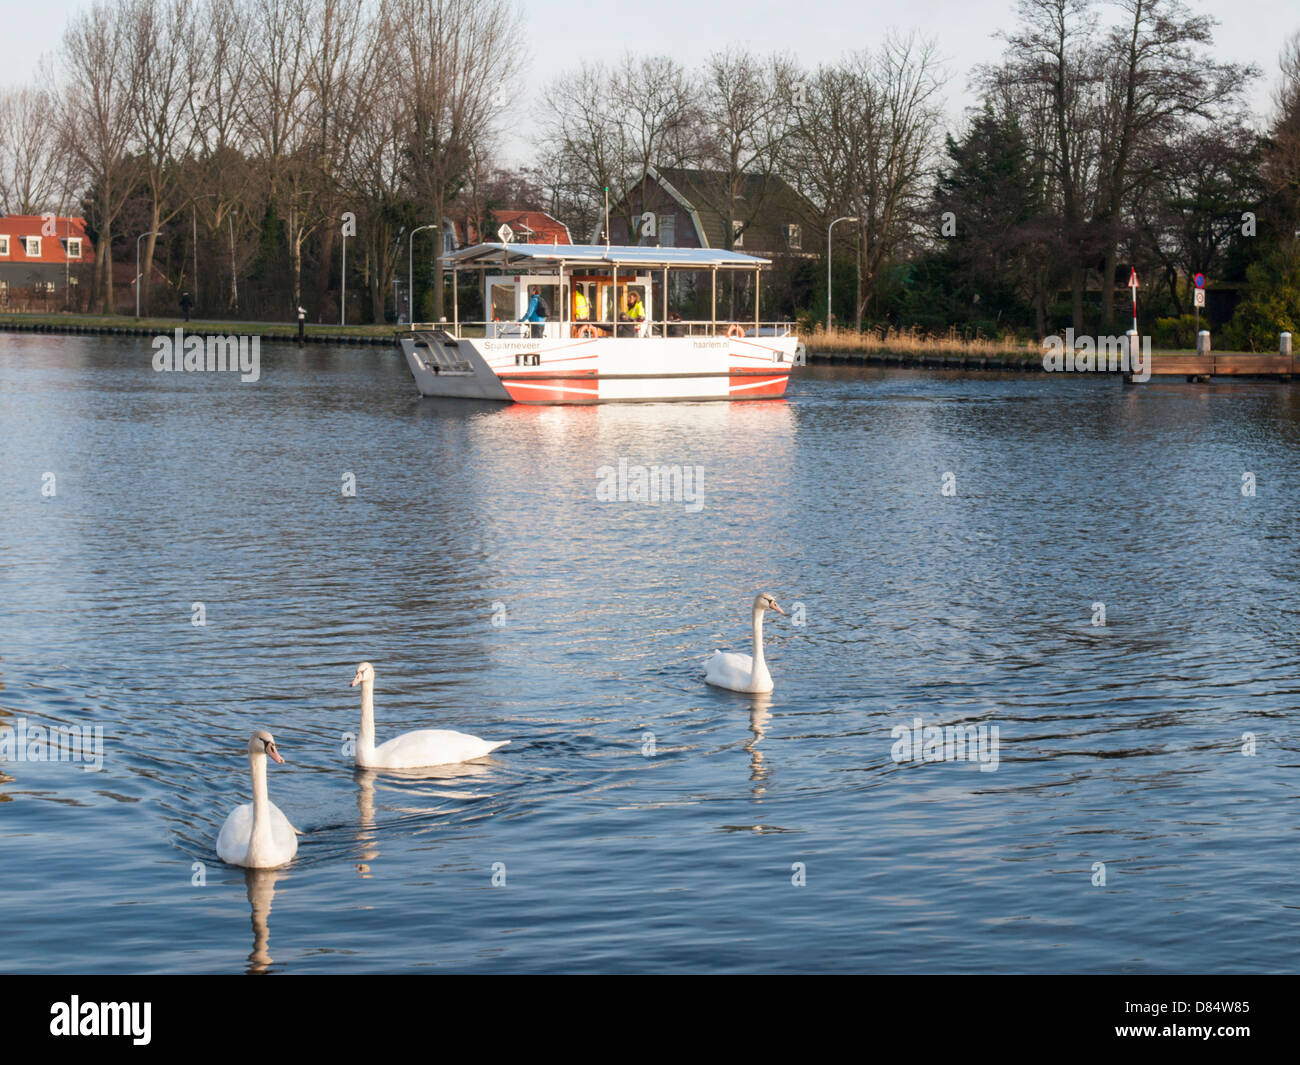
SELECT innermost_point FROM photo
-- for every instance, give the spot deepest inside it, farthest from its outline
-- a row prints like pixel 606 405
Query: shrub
pixel 1272 303
pixel 1175 332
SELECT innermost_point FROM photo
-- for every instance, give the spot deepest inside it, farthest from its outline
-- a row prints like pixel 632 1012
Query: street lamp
pixel 410 271
pixel 151 233
pixel 845 218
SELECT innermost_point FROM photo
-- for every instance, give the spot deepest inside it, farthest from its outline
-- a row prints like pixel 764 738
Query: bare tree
pixel 454 59
pixel 1157 75
pixel 1053 51
pixel 375 174
pixel 101 84
pixel 1281 170
pixel 218 179
pixel 585 152
pixel 159 35
pixel 606 125
pixel 865 145
pixel 30 179
pixel 347 61
pixel 744 117
pixel 276 55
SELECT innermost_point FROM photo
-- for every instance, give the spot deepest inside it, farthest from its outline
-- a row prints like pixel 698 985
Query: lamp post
pixel 410 272
pixel 151 233
pixel 844 218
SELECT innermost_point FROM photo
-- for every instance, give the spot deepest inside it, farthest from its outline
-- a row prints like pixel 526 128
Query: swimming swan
pixel 741 673
pixel 257 835
pixel 414 750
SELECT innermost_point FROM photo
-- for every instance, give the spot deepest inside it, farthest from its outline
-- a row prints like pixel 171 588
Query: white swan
pixel 414 750
pixel 741 673
pixel 257 835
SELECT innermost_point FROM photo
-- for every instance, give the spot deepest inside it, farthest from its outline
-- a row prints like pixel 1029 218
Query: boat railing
pixel 552 329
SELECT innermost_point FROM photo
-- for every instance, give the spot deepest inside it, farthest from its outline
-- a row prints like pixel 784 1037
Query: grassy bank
pixel 904 347
pixel 912 347
pixel 912 341
pixel 125 325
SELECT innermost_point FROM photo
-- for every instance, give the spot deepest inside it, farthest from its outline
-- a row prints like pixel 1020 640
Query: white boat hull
pixel 600 369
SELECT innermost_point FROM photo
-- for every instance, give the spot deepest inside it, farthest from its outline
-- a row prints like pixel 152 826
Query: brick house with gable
pixel 45 262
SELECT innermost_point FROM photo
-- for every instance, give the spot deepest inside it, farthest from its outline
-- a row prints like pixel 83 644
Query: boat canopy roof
pixel 523 255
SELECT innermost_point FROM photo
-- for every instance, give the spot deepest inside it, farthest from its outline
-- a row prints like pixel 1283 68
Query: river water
pixel 947 546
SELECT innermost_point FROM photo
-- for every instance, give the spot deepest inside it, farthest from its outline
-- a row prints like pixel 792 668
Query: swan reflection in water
pixel 760 713
pixel 261 890
pixel 366 779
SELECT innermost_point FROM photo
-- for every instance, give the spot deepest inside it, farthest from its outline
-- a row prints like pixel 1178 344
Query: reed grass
pixel 913 341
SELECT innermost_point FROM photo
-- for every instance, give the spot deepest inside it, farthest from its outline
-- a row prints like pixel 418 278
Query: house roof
pixel 16 226
pixel 529 227
pixel 486 255
pixel 538 226
pixel 764 202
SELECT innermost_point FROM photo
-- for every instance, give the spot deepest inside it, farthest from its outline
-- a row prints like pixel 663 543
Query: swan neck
pixel 366 737
pixel 759 663
pixel 261 798
pixel 261 832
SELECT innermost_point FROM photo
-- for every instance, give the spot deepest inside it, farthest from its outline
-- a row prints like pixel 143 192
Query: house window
pixel 33 247
pixel 667 231
pixel 737 234
pixel 49 286
pixel 794 237
pixel 4 245
pixel 74 247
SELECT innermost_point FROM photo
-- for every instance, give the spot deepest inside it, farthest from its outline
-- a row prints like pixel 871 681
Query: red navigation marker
pixel 1133 278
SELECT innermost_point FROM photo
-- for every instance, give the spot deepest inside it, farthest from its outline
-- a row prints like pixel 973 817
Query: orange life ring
pixel 587 331
pixel 734 330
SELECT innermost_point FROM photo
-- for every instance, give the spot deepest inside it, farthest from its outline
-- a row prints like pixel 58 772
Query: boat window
pixel 628 293
pixel 503 302
pixel 551 293
pixel 588 289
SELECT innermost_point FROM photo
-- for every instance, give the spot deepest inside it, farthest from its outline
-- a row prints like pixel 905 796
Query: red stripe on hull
pixel 540 389
pixel 748 384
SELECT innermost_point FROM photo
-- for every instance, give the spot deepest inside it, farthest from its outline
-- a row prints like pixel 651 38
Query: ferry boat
pixel 617 352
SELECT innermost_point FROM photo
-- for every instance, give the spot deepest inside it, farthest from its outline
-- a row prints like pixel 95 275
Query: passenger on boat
pixel 538 311
pixel 635 314
pixel 581 308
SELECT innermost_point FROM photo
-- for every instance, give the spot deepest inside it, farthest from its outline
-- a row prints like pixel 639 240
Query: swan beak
pixel 355 681
pixel 276 755
pixel 778 609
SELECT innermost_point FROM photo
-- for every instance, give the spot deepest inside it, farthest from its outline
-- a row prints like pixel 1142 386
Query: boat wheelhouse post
pixel 622 349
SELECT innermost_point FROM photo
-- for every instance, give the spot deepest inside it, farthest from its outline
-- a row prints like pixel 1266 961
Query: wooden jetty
pixel 1223 364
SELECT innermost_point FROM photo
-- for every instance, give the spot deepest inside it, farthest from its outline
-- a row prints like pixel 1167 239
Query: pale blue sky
pixel 811 30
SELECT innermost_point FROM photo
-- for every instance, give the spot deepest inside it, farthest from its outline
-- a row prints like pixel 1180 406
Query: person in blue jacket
pixel 538 311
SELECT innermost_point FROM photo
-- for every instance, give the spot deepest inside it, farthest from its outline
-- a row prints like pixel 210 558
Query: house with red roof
pixel 44 259
pixel 526 227
pixel 532 227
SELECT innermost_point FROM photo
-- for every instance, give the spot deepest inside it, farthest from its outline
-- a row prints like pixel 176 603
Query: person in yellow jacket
pixel 635 313
pixel 581 308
